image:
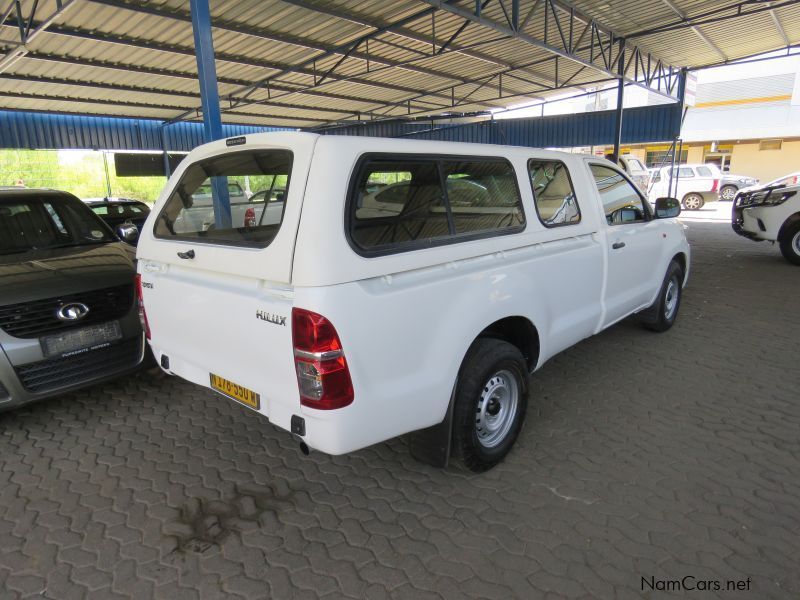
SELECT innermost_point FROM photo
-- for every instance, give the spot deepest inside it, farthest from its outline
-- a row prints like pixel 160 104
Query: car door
pixel 687 181
pixel 632 240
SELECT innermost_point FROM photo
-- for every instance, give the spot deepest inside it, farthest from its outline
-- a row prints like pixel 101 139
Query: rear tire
pixel 661 315
pixel 490 403
pixel 790 243
pixel 693 202
pixel 728 192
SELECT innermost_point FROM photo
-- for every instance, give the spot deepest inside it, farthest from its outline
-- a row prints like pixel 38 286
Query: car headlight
pixel 777 197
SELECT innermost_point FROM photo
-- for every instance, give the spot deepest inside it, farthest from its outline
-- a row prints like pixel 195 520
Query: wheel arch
pixel 681 259
pixel 519 332
pixel 434 444
pixel 790 220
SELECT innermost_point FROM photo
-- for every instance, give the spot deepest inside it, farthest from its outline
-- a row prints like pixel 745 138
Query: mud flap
pixel 432 445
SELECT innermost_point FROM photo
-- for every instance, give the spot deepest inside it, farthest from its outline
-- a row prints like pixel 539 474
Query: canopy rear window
pixel 254 184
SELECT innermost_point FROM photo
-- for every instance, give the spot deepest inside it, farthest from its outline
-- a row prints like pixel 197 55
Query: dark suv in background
pixel 68 314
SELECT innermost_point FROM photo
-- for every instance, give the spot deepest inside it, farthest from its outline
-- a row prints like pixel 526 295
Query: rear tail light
pixel 715 187
pixel 322 373
pixel 250 217
pixel 140 305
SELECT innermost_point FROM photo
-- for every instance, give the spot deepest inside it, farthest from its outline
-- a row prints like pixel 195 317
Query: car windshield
pixel 49 221
pixel 792 179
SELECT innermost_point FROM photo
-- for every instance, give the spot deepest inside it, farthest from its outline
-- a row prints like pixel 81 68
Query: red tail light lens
pixel 250 217
pixel 322 372
pixel 715 186
pixel 140 305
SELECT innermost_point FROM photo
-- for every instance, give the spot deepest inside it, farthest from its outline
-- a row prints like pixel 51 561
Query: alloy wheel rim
pixel 671 298
pixel 496 408
pixel 692 203
pixel 796 243
pixel 728 194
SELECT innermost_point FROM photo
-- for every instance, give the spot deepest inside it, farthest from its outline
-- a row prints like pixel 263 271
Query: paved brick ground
pixel 643 455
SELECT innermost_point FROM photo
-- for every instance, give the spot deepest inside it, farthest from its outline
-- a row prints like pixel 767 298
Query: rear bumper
pixel 333 432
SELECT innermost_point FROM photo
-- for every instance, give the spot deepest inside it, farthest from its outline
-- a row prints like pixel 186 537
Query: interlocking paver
pixel 643 455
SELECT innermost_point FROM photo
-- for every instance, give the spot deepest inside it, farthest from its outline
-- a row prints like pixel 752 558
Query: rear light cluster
pixel 715 187
pixel 140 305
pixel 250 217
pixel 322 373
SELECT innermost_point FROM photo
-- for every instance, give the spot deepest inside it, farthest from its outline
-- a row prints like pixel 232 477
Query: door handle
pixel 615 245
pixel 187 254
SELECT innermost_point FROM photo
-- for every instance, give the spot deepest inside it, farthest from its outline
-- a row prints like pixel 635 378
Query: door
pixel 632 243
pixel 686 181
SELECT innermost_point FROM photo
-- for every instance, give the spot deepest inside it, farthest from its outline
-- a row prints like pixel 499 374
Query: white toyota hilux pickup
pixel 408 286
pixel 770 213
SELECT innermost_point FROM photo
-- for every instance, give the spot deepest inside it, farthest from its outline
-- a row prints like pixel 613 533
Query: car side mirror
pixel 128 233
pixel 667 208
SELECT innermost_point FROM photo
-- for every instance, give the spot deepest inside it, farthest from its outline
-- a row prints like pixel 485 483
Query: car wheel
pixel 489 404
pixel 661 315
pixel 790 243
pixel 728 192
pixel 693 202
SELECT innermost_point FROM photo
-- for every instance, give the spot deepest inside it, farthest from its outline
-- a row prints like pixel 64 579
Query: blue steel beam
pixel 209 99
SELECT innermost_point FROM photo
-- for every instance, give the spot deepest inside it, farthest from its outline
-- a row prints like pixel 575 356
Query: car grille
pixel 32 319
pixel 55 373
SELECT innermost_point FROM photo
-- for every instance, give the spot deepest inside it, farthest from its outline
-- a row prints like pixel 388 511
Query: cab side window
pixel 553 193
pixel 622 203
pixel 401 204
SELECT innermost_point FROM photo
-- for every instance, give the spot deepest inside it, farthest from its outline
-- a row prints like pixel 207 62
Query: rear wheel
pixel 490 403
pixel 728 192
pixel 664 311
pixel 693 202
pixel 790 243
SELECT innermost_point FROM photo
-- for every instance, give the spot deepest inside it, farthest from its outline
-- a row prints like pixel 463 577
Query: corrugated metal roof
pixel 136 58
pixel 58 131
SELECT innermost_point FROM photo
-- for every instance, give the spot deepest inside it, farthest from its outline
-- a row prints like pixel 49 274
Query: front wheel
pixel 790 243
pixel 693 202
pixel 490 403
pixel 728 192
pixel 661 315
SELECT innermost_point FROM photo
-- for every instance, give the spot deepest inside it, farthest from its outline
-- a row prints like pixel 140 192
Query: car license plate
pixel 235 391
pixel 81 340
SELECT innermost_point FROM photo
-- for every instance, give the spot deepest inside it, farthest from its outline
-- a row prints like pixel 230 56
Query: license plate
pixel 235 391
pixel 81 340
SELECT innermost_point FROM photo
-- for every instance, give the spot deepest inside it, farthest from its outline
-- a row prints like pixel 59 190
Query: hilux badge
pixel 270 318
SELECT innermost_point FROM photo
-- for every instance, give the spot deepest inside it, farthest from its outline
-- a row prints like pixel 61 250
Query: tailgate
pixel 210 323
pixel 219 299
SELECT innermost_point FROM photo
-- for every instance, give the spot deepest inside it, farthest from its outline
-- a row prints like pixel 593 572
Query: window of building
pixel 663 158
pixel 770 144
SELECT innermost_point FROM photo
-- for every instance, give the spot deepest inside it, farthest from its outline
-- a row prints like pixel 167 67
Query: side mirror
pixel 128 233
pixel 667 208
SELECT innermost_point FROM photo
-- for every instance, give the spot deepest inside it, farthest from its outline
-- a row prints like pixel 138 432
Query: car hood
pixel 47 273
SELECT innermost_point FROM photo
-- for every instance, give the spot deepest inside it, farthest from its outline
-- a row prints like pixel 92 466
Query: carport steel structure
pixel 324 64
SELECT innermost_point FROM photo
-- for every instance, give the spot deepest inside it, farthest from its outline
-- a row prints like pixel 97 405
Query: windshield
pixel 50 221
pixel 792 179
pixel 255 217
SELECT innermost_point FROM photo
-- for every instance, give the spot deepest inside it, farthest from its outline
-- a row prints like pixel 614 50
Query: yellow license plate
pixel 235 391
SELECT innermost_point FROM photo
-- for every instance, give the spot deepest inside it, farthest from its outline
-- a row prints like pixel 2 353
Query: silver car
pixel 68 313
